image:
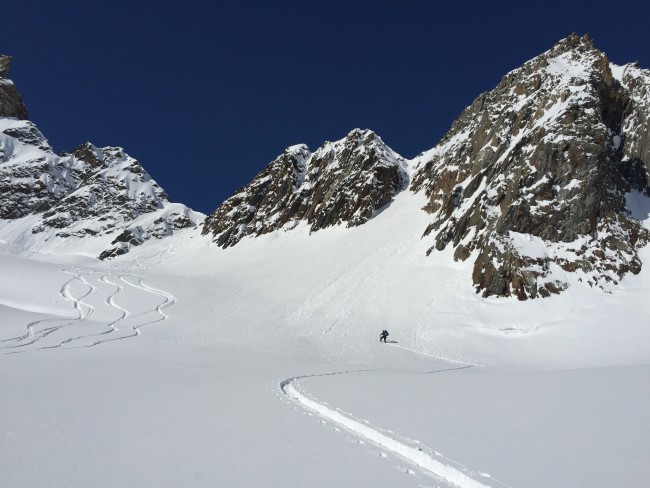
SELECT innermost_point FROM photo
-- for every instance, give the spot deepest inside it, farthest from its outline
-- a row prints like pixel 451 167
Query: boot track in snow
pixel 429 461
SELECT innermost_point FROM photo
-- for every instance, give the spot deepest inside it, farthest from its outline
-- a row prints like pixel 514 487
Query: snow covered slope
pixel 241 362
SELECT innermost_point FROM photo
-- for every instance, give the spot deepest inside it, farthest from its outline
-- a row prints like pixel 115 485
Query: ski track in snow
pixel 430 461
pixel 143 262
pixel 449 360
pixel 115 329
pixel 169 298
pixel 33 333
pixel 112 325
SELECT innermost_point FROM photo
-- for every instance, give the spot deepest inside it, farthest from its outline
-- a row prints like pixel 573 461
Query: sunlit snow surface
pixel 187 365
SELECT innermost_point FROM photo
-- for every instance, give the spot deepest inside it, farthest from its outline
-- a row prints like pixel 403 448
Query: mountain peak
pixel 546 160
pixel 342 182
pixel 573 42
pixel 11 104
pixel 361 134
pixel 5 64
pixel 99 195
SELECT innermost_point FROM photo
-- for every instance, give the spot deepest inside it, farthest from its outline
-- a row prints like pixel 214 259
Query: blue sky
pixel 205 94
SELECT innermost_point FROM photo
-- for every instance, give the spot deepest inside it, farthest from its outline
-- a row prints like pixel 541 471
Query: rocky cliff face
pixel 11 105
pixel 343 182
pixel 100 195
pixel 532 180
pixel 535 181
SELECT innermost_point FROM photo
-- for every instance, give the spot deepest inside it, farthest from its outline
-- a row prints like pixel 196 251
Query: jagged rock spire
pixel 342 182
pixel 11 104
pixel 5 63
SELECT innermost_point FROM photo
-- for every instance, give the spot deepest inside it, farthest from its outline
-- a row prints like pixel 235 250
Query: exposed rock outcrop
pixel 343 182
pixel 531 180
pixel 11 104
pixel 93 193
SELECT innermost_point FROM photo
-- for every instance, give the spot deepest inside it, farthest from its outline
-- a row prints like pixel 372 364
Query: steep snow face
pixel 101 196
pixel 343 182
pixel 531 180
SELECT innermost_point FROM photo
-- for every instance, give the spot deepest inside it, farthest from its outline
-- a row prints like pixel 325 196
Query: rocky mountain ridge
pixel 543 177
pixel 342 182
pixel 11 104
pixel 536 179
pixel 547 158
pixel 100 196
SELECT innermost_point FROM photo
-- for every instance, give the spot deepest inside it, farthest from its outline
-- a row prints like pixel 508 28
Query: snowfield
pixel 182 364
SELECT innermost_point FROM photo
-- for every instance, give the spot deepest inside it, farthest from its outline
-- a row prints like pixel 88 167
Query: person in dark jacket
pixel 383 335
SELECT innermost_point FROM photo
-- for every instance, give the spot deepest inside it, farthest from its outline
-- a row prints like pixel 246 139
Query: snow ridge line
pixel 416 455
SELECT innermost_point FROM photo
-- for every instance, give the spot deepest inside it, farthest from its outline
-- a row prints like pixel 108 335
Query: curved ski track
pixel 427 460
pixel 34 333
pixel 38 335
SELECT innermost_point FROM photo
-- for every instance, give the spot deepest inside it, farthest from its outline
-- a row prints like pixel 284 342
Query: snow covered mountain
pixel 99 196
pixel 343 182
pixel 544 176
pixel 540 183
pixel 540 175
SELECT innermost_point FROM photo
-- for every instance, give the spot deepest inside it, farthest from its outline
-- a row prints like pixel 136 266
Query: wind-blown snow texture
pixel 181 363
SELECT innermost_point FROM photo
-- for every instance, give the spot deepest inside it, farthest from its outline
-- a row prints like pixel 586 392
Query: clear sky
pixel 205 94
